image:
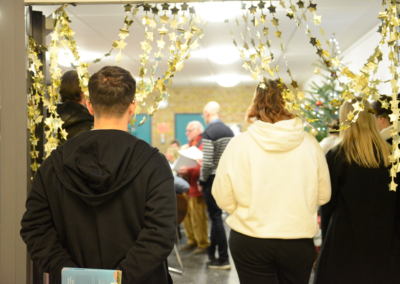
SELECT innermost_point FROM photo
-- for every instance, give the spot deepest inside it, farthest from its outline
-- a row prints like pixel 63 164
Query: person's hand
pixel 199 162
pixel 200 187
pixel 183 171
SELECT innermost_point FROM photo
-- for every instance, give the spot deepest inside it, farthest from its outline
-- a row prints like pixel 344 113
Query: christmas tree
pixel 321 96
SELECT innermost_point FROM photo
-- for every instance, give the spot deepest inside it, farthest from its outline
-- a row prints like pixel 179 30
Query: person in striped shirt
pixel 215 139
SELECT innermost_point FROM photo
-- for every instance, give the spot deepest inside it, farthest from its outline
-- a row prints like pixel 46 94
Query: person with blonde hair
pixel 359 243
pixel 270 180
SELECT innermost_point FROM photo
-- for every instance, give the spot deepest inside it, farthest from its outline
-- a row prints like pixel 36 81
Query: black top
pixel 104 199
pixel 358 226
pixel 76 118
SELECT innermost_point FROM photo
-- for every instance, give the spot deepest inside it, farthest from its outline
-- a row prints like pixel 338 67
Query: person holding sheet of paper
pixel 195 222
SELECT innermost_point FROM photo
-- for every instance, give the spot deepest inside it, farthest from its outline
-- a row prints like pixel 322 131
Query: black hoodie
pixel 105 199
pixel 76 118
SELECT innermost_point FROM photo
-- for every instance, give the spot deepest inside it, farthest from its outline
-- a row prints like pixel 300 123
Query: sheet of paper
pixel 183 161
pixel 192 153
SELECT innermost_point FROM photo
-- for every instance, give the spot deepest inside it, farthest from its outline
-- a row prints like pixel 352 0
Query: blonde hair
pixel 212 108
pixel 173 151
pixel 362 142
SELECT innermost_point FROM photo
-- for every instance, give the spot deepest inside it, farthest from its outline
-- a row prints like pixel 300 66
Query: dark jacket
pixel 358 226
pixel 215 139
pixel 104 199
pixel 76 118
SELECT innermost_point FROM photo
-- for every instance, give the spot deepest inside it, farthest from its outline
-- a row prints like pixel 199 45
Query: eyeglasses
pixel 190 131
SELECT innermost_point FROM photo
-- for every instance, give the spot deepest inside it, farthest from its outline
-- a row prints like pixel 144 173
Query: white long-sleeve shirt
pixel 271 180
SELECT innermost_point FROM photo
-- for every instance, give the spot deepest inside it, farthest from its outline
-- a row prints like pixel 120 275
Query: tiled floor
pixel 195 271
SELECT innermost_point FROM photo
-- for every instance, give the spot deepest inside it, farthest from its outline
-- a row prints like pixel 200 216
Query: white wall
pixel 356 56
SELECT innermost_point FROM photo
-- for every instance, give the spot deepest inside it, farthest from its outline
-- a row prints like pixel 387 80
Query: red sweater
pixel 194 173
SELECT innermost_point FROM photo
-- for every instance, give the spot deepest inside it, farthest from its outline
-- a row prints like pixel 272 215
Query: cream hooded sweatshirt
pixel 271 180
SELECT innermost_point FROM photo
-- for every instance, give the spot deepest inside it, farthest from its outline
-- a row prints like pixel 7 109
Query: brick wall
pixel 234 103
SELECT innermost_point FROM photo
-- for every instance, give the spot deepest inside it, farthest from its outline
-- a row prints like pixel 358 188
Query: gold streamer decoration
pixel 359 84
pixel 183 34
pixel 183 38
pixel 37 89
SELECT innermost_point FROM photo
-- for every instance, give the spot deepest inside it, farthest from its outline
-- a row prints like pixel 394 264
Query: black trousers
pixel 218 236
pixel 272 261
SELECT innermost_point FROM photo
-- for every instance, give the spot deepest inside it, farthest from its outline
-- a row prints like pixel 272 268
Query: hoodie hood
pixel 95 165
pixel 282 136
pixel 73 113
pixel 386 133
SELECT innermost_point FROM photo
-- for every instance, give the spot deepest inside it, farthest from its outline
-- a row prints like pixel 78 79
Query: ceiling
pixel 97 26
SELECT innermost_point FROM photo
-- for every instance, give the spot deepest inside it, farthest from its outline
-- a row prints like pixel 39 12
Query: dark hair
pixel 69 88
pixel 176 142
pixel 111 90
pixel 333 126
pixel 379 110
pixel 268 103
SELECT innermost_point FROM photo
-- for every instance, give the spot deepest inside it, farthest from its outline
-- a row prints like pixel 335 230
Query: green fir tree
pixel 321 98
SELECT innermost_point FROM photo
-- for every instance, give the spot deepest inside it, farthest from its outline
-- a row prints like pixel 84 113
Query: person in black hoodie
pixel 72 110
pixel 104 199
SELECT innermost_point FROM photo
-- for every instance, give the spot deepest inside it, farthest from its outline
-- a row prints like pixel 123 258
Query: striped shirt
pixel 215 139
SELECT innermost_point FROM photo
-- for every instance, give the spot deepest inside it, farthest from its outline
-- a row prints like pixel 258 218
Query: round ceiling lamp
pixel 218 11
pixel 228 80
pixel 223 55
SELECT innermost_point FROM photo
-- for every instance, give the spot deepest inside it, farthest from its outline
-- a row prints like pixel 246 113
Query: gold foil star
pixel 172 36
pixel 121 44
pixel 54 36
pixel 278 34
pixel 275 21
pixel 183 20
pixel 150 36
pixel 272 9
pixel 255 22
pixel 164 19
pixel 188 35
pixel 253 9
pixel 160 43
pixel 312 7
pixel 173 23
pixel 254 76
pixel 263 18
pixel 300 4
pixel 162 31
pixel 317 19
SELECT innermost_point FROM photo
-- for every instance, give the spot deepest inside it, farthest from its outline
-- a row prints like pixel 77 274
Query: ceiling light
pixel 228 80
pixel 65 57
pixel 222 55
pixel 218 11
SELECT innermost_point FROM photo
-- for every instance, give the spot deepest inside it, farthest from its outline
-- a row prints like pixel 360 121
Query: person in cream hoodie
pixel 270 180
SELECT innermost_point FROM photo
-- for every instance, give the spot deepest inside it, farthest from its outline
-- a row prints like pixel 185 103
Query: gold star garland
pixel 36 94
pixel 390 25
pixel 179 52
pixel 53 122
pixel 360 84
pixel 292 98
pixel 182 42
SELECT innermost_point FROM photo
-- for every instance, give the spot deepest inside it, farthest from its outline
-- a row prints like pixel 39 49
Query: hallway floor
pixel 195 271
